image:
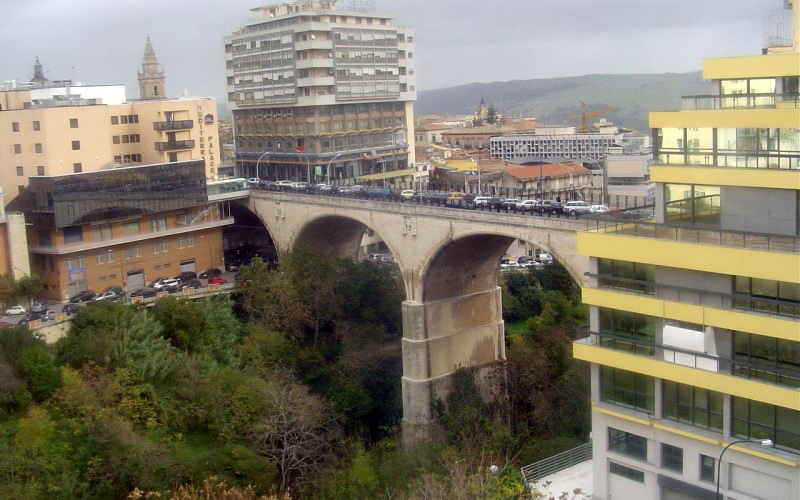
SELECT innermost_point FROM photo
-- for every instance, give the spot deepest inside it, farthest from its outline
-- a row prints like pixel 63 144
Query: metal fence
pixel 551 465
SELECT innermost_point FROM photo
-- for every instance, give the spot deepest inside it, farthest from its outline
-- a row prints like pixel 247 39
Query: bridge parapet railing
pixel 553 222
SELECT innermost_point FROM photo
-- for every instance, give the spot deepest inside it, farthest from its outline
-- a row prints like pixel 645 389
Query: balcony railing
pixel 175 145
pixel 702 235
pixel 788 377
pixel 173 125
pixel 780 308
pixel 740 101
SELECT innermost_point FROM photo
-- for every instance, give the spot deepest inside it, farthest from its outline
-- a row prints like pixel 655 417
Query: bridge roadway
pixel 449 259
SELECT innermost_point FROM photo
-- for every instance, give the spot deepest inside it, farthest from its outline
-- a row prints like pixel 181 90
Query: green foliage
pixel 40 371
pixel 92 331
pixel 29 286
pixel 8 289
pixel 14 394
pixel 231 401
pixel 491 115
pixel 224 329
pixel 554 277
pixel 140 347
pixel 184 321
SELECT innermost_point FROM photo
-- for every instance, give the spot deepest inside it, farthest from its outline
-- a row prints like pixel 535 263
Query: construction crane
pixel 585 115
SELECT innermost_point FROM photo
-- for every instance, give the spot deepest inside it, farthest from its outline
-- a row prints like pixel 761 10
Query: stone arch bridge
pixel 449 260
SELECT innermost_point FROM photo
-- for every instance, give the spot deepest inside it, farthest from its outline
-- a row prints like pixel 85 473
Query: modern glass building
pixel 695 316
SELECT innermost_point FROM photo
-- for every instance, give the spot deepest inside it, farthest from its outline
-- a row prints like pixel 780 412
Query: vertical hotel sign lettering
pixel 207 141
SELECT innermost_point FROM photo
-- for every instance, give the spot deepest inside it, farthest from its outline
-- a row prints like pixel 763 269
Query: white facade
pixel 552 146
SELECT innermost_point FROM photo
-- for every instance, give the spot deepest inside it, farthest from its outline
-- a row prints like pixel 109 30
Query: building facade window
pixel 627 331
pixel 40 170
pixel 756 420
pixel 76 145
pixel 20 171
pixel 77 167
pixel 38 148
pixel 76 262
pixel 115 120
pixel 17 149
pixel 707 468
pixel 778 297
pixel 693 405
pixel 102 232
pixel 628 389
pixel 672 458
pixel 36 126
pixel 158 223
pixel 73 123
pixel 15 126
pixel 693 204
pixel 766 358
pixel 130 227
pixel 626 472
pixel 625 443
pixel 73 234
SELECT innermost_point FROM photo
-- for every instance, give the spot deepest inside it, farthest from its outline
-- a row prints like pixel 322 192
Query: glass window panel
pixel 762 86
pixel 728 87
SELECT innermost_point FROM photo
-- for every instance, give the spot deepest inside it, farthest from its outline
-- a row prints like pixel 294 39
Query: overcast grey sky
pixel 457 41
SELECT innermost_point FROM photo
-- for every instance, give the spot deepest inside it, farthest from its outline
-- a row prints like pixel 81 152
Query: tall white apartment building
pixel 321 93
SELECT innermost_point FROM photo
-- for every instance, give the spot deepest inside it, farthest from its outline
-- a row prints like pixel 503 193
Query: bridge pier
pixel 438 338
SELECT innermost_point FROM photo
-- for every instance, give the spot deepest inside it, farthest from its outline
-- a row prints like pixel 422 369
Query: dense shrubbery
pixel 293 386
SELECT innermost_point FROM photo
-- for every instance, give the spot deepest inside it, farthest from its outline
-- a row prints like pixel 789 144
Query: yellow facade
pixel 697 312
pixel 57 140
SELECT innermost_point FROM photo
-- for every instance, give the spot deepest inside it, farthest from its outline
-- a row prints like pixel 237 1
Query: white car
pixel 252 181
pixel 407 194
pixel 166 284
pixel 545 258
pixel 508 266
pixel 527 205
pixel 599 209
pixel 481 201
pixel 300 186
pixel 15 310
pixel 284 184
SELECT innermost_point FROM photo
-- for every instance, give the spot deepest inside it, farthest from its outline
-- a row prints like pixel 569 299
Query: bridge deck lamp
pixel 762 442
pixel 259 161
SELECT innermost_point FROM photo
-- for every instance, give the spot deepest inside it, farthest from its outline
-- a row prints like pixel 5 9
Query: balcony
pixel 175 145
pixel 740 101
pixel 173 125
pixel 758 371
pixel 704 236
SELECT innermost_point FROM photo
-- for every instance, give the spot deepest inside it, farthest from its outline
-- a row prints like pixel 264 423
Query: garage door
pixel 135 280
pixel 188 265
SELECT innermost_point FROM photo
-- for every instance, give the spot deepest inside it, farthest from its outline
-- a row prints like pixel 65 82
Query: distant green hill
pixel 551 99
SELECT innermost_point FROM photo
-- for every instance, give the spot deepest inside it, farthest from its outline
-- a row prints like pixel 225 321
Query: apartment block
pixel 320 93
pixel 694 338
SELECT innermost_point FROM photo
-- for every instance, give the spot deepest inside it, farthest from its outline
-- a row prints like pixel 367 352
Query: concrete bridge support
pixel 439 337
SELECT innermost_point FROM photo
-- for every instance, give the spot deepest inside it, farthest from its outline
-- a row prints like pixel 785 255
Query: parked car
pixel 511 203
pixel 37 306
pixel 510 265
pixel 15 310
pixel 253 181
pixel 407 194
pixel 527 206
pixel 209 273
pixel 144 292
pixel 544 258
pixel 70 309
pixel 481 201
pixel 44 315
pixel 195 283
pixel 496 202
pixel 84 296
pixel 547 205
pixel 577 207
pixel 186 276
pixel 110 293
pixel 300 186
pixel 524 259
pixel 455 198
pixel 599 209
pixel 155 281
pixel 284 184
pixel 217 280
pixel 167 284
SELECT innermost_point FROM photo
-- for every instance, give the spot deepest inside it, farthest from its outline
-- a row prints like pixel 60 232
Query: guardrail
pixel 551 465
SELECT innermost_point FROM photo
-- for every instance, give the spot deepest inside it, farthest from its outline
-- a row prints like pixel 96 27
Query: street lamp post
pixel 383 169
pixel 308 165
pixel 328 169
pixel 477 166
pixel 762 442
pixel 259 161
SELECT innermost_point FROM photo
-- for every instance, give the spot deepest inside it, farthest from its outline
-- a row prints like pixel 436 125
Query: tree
pixel 29 287
pixel 91 333
pixel 139 347
pixel 185 322
pixel 298 433
pixel 271 298
pixel 491 115
pixel 40 371
pixel 8 290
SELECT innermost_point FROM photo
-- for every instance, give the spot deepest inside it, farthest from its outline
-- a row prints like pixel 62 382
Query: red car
pixel 217 280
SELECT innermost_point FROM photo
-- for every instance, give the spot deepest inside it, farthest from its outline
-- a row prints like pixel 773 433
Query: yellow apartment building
pixel 694 338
